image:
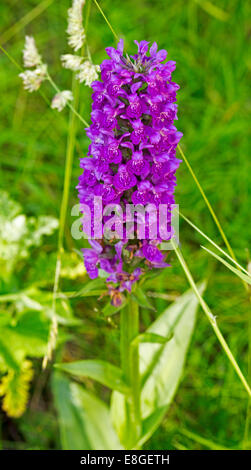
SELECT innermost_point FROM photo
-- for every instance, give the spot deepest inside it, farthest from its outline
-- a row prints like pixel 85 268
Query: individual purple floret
pixel 131 160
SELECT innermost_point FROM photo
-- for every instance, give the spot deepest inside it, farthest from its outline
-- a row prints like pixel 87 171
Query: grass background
pixel 208 40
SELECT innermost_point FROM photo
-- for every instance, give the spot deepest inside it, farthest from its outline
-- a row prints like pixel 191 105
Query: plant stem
pixel 129 328
pixel 211 318
pixel 106 20
pixel 212 242
pixel 214 216
pixel 53 84
pixel 62 219
pixel 24 21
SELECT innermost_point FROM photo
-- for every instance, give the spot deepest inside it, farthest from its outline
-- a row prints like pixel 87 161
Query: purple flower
pixel 135 108
pixel 138 131
pixel 91 258
pixel 124 179
pixel 152 254
pixel 131 158
pixel 138 165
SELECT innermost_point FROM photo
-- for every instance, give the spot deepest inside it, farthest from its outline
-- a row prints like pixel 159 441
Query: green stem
pixel 87 15
pixel 214 216
pixel 24 21
pixel 129 328
pixel 106 20
pixel 53 84
pixel 62 219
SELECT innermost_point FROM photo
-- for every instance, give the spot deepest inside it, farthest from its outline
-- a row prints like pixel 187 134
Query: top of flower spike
pixel 140 62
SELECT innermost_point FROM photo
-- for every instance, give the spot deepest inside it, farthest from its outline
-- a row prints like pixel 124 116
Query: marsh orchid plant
pixel 131 162
pixel 131 159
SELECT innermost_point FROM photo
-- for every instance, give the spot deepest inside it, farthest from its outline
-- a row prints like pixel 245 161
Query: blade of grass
pixel 211 241
pixel 106 20
pixel 244 277
pixel 31 15
pixel 202 440
pixel 213 10
pixel 214 216
pixel 211 319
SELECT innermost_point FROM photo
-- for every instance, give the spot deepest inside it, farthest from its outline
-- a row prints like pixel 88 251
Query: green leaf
pixel 28 336
pixel 161 366
pixel 105 373
pixel 19 233
pixel 238 273
pixel 150 424
pixel 93 288
pixel 7 357
pixel 84 420
pixel 140 297
pixel 151 338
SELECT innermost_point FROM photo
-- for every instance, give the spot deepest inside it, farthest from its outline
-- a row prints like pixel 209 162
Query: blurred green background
pixel 208 40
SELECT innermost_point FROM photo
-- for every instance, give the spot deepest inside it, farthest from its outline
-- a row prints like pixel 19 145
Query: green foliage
pixel 24 322
pixel 19 233
pixel 105 373
pixel 209 44
pixel 142 299
pixel 245 277
pixel 149 337
pixel 161 367
pixel 84 420
pixel 14 388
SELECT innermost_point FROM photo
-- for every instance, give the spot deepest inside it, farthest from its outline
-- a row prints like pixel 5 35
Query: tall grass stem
pixel 211 318
pixel 62 218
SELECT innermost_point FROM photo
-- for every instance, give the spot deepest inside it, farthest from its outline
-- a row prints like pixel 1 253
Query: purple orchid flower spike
pixel 131 160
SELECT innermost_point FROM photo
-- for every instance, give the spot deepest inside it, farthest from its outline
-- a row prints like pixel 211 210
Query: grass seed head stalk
pixel 75 29
pixel 31 56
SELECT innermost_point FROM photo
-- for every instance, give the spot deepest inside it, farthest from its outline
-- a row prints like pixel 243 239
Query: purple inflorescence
pixel 131 158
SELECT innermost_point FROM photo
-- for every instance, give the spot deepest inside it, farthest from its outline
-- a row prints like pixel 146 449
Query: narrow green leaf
pixel 161 366
pixel 202 440
pixel 140 297
pixel 84 420
pixel 105 373
pixel 8 357
pixel 238 273
pixel 151 338
pixel 93 288
pixel 150 424
pixel 110 309
pixel 211 241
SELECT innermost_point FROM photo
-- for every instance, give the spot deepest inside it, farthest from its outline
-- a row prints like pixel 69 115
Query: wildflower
pixel 32 79
pixel 75 28
pixel 61 99
pixel 88 73
pixel 72 62
pixel 131 158
pixel 31 57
